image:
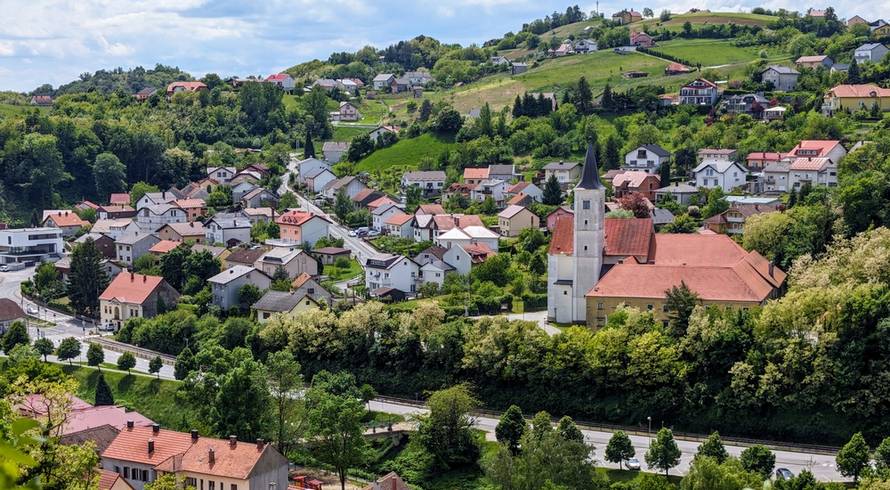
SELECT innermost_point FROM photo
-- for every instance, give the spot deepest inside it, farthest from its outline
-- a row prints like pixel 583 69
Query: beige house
pixel 514 219
pixel 282 302
pixel 294 261
pixel 133 295
pixel 192 232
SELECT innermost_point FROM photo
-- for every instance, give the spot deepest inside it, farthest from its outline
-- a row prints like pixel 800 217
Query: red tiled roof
pixel 362 194
pixel 296 218
pixel 88 204
pixel 229 460
pixel 865 90
pixel 765 155
pixel 66 219
pixel 628 236
pixel 518 187
pixel 633 178
pixel 107 479
pixel 476 173
pixel 446 222
pixel 380 201
pixel 190 203
pixel 806 163
pixel 132 445
pixel 92 417
pixel 399 219
pixel 300 280
pixel 129 287
pixel 520 199
pixel 696 250
pixel 822 147
pixel 479 252
pixel 563 239
pixel 163 246
pixel 190 86
pixel 278 76
pixel 430 209
pixel 119 198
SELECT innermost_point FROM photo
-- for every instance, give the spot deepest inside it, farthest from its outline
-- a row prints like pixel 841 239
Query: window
pixel 126 472
pixel 234 487
pixel 117 469
pixel 599 306
pixel 585 248
pixel 211 485
pixel 585 204
pixel 649 307
pixel 565 293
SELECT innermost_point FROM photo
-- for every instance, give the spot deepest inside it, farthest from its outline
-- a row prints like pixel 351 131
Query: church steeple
pixel 590 177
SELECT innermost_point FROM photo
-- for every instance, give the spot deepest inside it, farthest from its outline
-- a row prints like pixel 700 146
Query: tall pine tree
pixel 612 156
pixel 308 146
pixel 517 108
pixel 584 97
pixel 552 192
pixel 103 392
pixel 86 279
pixel 664 173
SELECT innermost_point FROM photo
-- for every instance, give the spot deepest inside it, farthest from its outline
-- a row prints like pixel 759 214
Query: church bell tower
pixel 589 206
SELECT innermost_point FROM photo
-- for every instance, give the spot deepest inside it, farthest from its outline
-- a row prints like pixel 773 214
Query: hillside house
pixel 134 244
pixel 281 303
pixel 131 295
pixel 258 198
pixel 227 229
pixel 392 272
pixel 301 227
pixel 67 221
pixel 641 40
pixel 333 151
pixel 870 53
pixel 383 81
pixel 626 16
pixel 815 61
pixel 317 179
pixel 732 221
pixel 381 214
pixel 293 261
pixel 431 182
pixel 227 284
pixel 184 87
pixel 782 78
pixel 346 112
pixel 565 172
pixel 637 181
pixel 699 92
pixel 513 219
pixel 283 81
pixel 646 158
pixel 758 160
pixel 855 97
pixel 723 173
pixel 350 184
pixel 192 232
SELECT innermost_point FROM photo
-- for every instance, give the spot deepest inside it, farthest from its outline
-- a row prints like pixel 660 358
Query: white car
pixel 632 464
pixel 4 268
pixel 32 310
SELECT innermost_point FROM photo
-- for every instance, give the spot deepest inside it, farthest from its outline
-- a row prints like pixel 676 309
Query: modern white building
pixel 470 235
pixel 395 272
pixel 429 181
pixel 30 245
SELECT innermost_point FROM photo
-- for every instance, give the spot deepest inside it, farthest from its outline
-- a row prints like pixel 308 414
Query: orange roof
pixel 677 67
pixel 562 241
pixel 399 219
pixel 129 287
pixel 765 155
pixel 430 209
pixel 107 479
pixel 479 252
pixel 476 173
pixel 811 59
pixel 190 203
pixel 520 199
pixel 190 86
pixel 633 178
pixel 821 147
pixel 628 236
pixel 807 163
pixel 446 222
pixel 132 445
pixel 300 280
pixel 191 228
pixel 229 460
pixel 66 219
pixel 163 246
pixel 380 201
pixel 119 198
pixel 696 250
pixel 296 218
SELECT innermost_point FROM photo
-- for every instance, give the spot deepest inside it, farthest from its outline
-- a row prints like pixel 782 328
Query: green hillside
pixel 702 18
pixel 406 153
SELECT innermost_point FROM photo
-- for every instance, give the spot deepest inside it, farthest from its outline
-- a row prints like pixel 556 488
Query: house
pixel 115 211
pixel 365 197
pixel 181 87
pixel 381 214
pixel 870 53
pixel 518 68
pixel 383 81
pixel 131 295
pixel 193 208
pixel 42 100
pixel 428 227
pixel 514 219
pixel 433 267
pixel 468 235
pixel 776 113
pixel 333 151
pixel 881 30
pixel 243 256
pixel 465 256
pixel 641 40
pixel 283 81
pixel 391 272
pixel 419 77
pixel 317 179
pixel 346 112
pixel 143 454
pixel 675 68
pixel 586 46
pixel 350 184
pixel 68 221
pixel 301 227
pixel 28 245
pixel 104 243
pixel 109 480
pixel 134 244
pixel 282 302
pixel 565 172
pixel 565 48
pixel 782 78
pixel 636 181
pixel 255 215
pixel 381 201
pixel 305 284
pixel 855 97
pixel 699 92
pixel 496 189
pixel 832 149
pixel 646 158
pixel 310 166
pixel 723 173
pixel 399 224
pixel 242 188
pixel 732 221
pixel 775 178
pixel 220 253
pixel 852 21
pixel 221 174
pixel 473 175
pixel 751 104
pixel 119 198
pixel 627 17
pixel 555 215
pixel 814 62
pixel 293 261
pixel 114 228
pixel 813 171
pixel 108 266
pixel 502 172
pixel 527 189
pixel 192 232
pixel 227 229
pixel 758 160
pixel 431 182
pixel 10 311
pixel 163 247
pixel 379 131
pixel 227 284
pixel 330 255
pixel 157 215
pixel 498 60
pixel 259 197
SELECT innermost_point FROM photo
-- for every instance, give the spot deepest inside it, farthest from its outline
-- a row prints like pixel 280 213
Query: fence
pixel 139 352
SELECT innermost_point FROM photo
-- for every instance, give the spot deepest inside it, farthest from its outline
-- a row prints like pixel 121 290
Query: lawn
pixel 373 111
pixel 711 52
pixel 406 153
pixel 699 18
pixel 9 110
pixel 152 397
pixel 346 133
pixel 338 274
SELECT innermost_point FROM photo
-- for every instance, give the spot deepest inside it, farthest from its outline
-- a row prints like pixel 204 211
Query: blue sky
pixel 53 41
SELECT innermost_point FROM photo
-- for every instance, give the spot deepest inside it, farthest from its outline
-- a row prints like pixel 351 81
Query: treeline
pixel 129 81
pixel 539 26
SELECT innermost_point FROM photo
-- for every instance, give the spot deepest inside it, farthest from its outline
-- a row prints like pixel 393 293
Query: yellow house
pixel 855 97
pixel 882 31
pixel 515 218
pixel 274 302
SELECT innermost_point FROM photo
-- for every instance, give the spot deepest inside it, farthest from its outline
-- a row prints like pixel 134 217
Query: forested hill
pixel 129 81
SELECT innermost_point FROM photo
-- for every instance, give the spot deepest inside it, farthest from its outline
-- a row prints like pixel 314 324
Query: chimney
pixel 211 456
pixel 151 446
pixel 132 277
pixel 260 444
pixel 155 428
pixel 395 485
pixel 144 278
pixel 163 194
pixel 194 436
pixel 129 424
pixel 233 441
pixel 771 268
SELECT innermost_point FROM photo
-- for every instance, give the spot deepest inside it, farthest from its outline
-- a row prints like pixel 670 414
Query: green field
pixel 712 52
pixel 338 274
pixel 406 153
pixel 701 18
pixel 346 133
pixel 372 111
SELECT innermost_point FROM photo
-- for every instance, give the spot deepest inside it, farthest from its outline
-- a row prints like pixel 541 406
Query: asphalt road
pixel 822 466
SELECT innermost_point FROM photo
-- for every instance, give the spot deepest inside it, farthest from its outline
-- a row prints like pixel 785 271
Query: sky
pixel 54 41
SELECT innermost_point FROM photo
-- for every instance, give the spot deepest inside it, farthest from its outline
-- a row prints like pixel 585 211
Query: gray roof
pixel 678 188
pixel 230 222
pixel 590 174
pixel 335 146
pixel 781 69
pixel 720 166
pixel 336 184
pixel 658 150
pixel 317 171
pixel 383 77
pixel 869 46
pixel 134 237
pixel 433 175
pixel 661 216
pixel 231 274
pixel 501 169
pixel 278 301
pixel 561 165
pixel 781 167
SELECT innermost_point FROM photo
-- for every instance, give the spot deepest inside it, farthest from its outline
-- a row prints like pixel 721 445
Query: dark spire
pixel 590 174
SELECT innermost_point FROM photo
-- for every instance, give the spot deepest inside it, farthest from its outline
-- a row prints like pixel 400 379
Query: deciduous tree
pixel 126 361
pixel 510 428
pixel 619 449
pixel 663 453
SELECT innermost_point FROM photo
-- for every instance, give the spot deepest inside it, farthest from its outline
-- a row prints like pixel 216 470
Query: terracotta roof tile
pixel 119 198
pixel 65 219
pixel 563 239
pixel 229 460
pixel 132 445
pixel 867 90
pixel 300 280
pixel 430 209
pixel 399 219
pixel 296 218
pixel 628 236
pixel 476 173
pixel 164 246
pixel 130 287
pixel 108 479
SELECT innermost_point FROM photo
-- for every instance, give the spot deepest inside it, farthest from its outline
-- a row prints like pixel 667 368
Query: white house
pixel 429 181
pixel 586 46
pixel 383 81
pixel 783 78
pixel 775 178
pixel 494 188
pixel 158 215
pixel 813 171
pixel 350 184
pixel 346 112
pixel 310 166
pixel 221 174
pixel 227 284
pixel 228 229
pixel 399 224
pixel 282 81
pixel 723 173
pixel 317 179
pixel 18 245
pixel 699 92
pixel 470 235
pixel 155 198
pixel 379 131
pixel 133 245
pixel 870 53
pixel 526 188
pixel 395 271
pixel 433 267
pixel 647 158
pixel 382 213
pixel 333 151
pixel 565 172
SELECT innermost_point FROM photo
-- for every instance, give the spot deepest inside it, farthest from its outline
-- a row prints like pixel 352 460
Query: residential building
pixel 381 201
pixel 227 229
pixel 143 454
pixel 179 87
pixel 350 184
pixel 227 284
pixel 675 68
pixel 192 232
pixel 293 261
pixel 852 21
pixel 391 272
pixel 419 77
pixel 627 17
pixel 751 104
pixel 716 154
pixel 68 221
pixel 469 235
pixel 636 181
pixel 641 40
pixel 464 257
pixel 301 227
pixel 813 171
pixel 699 92
pixel 870 53
pixel 305 284
pixel 431 182
pixel 259 197
pixel 283 81
pixel 499 60
pixel 855 97
pixel 163 247
pixel 399 224
pixel 220 253
pixel 244 256
pixel 432 266
pixel 880 30
pixel 30 245
pixel 496 189
pixel 723 173
pixel 42 100
pixel 647 158
pixel 104 243
pixel 281 302
pixel 383 81
pixel 501 172
pixel 555 215
pixel 514 219
pixel 381 214
pixel 116 211
pixel 255 215
pixel 346 112
pixel 758 160
pixel 527 189
pixel 366 196
pixel 310 166
pixel 775 178
pixel 518 68
pixel 732 221
pixel 776 113
pixel 330 255
pixel 782 78
pixel 428 227
pixel 379 131
pixel 814 62
pixel 565 172
pixel 119 198
pixel 131 295
pixel 832 149
pixel 10 311
pixel 333 151
pixel 586 46
pixel 134 244
pixel 317 179
pixel 193 208
pixel 156 215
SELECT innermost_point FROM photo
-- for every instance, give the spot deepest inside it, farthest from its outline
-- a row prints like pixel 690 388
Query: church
pixel 595 264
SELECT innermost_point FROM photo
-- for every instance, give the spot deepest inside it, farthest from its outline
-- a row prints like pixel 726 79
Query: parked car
pixel 784 474
pixel 32 310
pixel 373 233
pixel 632 464
pixel 352 233
pixel 4 268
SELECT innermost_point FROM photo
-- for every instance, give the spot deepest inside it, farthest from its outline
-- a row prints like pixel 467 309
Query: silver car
pixel 632 464
pixel 784 474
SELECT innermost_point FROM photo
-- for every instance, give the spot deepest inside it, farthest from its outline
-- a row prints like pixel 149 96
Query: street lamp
pixel 649 430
